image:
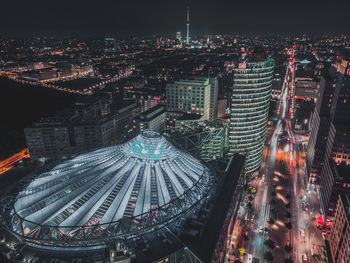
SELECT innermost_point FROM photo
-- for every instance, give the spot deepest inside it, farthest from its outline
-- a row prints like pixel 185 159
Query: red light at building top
pixel 156 98
pixel 294 46
pixel 242 65
pixel 320 220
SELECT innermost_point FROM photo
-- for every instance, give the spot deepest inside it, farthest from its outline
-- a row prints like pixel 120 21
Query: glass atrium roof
pixel 110 184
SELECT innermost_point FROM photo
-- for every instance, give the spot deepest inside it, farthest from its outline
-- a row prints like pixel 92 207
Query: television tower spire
pixel 188 26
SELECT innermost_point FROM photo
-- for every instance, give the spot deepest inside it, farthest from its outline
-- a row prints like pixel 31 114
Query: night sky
pixel 145 17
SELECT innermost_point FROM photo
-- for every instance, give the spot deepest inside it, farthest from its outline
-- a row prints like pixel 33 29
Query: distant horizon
pixel 170 35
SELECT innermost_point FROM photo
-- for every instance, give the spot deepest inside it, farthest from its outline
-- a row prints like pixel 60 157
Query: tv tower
pixel 188 26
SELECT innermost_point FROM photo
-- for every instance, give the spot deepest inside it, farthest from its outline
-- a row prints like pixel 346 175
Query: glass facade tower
pixel 251 94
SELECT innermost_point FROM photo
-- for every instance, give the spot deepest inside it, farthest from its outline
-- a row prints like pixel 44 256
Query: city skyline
pixel 175 132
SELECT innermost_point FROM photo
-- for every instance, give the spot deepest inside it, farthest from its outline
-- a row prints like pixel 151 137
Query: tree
pixel 288 260
pixel 273 201
pixel 288 248
pixel 270 243
pixel 288 196
pixel 268 256
pixel 289 225
pixel 288 215
pixel 249 206
pixel 273 193
pixel 288 205
pixel 271 221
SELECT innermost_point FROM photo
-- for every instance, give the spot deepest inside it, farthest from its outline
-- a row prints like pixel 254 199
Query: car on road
pixel 302 233
pixel 304 258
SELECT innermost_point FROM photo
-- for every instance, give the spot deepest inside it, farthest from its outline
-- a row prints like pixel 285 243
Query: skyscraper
pixel 338 141
pixel 321 124
pixel 178 36
pixel 251 94
pixel 188 26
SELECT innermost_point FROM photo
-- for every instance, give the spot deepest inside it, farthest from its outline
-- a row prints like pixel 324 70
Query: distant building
pixel 305 88
pixel 197 96
pixel 178 36
pixel 251 93
pixel 111 44
pixel 153 119
pixel 339 238
pixel 92 123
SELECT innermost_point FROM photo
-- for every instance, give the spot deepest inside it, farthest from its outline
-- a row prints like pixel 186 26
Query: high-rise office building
pixel 195 96
pixel 337 150
pixel 251 94
pixel 339 238
pixel 320 126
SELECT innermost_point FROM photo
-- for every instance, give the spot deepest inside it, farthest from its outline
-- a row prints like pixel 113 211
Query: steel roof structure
pixel 110 192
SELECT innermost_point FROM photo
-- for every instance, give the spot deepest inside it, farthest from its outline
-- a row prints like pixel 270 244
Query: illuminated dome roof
pixel 118 188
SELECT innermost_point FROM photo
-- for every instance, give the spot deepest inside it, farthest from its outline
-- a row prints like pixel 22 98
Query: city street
pixel 282 223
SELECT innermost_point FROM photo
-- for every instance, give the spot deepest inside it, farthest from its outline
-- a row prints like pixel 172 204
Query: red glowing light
pixel 242 65
pixel 156 98
pixel 320 220
pixel 300 98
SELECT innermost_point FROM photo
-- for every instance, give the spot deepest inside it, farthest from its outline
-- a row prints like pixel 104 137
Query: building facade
pixel 320 126
pixel 198 96
pixel 153 119
pixel 89 125
pixel 251 93
pixel 339 238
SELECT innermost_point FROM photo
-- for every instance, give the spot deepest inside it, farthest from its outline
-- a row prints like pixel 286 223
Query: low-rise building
pixel 93 123
pixel 153 119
